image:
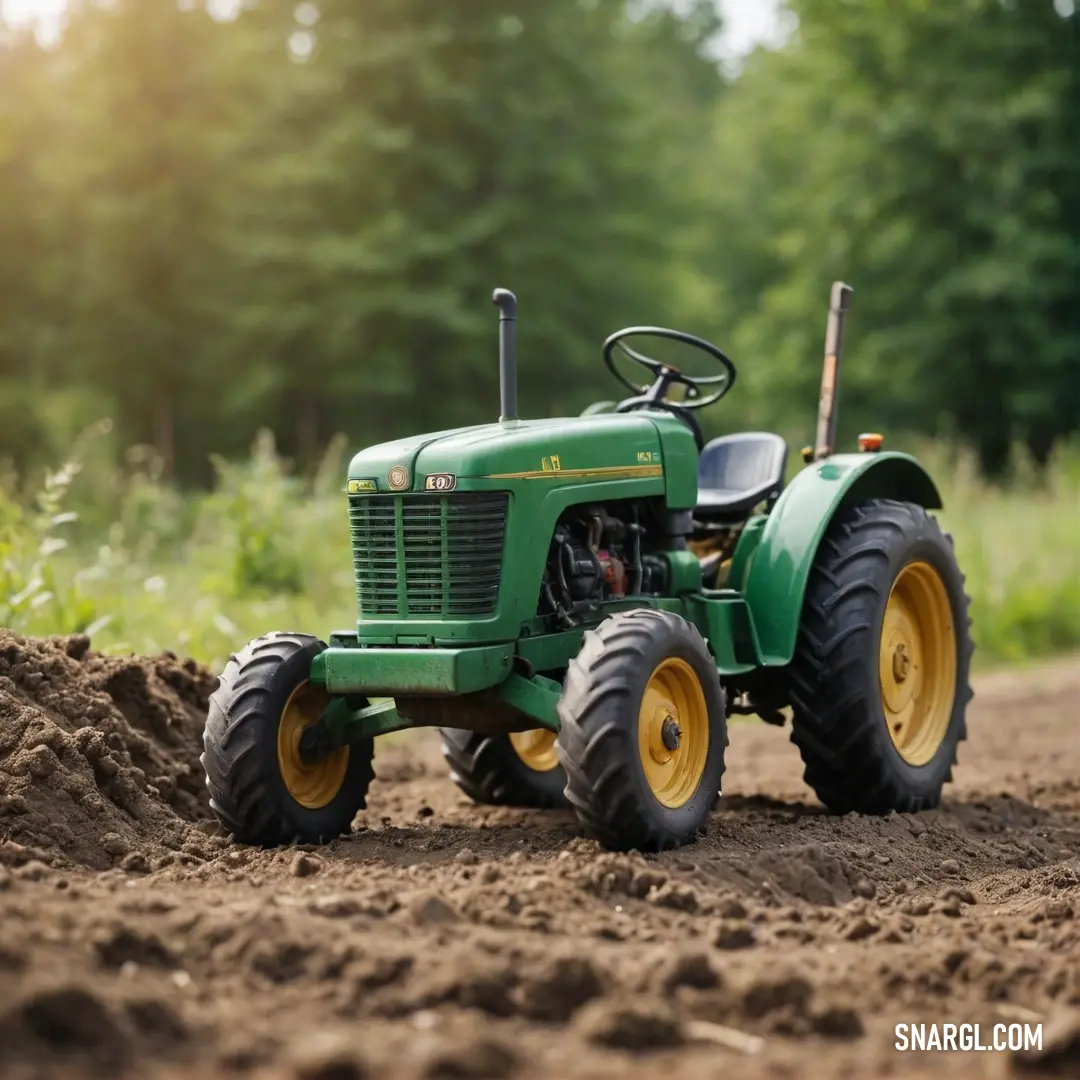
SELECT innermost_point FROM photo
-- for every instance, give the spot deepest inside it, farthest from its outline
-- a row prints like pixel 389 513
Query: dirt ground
pixel 445 940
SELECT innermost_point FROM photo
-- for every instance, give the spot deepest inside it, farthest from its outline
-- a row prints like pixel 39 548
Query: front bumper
pixel 375 671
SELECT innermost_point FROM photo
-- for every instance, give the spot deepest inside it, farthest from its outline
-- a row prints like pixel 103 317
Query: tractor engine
pixel 596 556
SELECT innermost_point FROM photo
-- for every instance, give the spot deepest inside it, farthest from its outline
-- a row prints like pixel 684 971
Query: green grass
pixel 123 557
pixel 1019 547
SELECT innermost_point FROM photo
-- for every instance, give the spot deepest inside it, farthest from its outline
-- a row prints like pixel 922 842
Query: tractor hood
pixel 605 447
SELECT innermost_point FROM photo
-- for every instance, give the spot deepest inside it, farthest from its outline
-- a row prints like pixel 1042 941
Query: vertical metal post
pixel 839 305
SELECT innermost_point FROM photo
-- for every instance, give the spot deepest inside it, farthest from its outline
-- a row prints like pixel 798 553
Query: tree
pixel 926 153
pixel 427 153
pixel 145 163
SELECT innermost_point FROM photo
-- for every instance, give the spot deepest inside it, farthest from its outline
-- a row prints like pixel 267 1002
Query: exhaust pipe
pixel 839 305
pixel 506 302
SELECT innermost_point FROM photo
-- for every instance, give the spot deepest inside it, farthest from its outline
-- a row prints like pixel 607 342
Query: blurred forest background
pixel 289 217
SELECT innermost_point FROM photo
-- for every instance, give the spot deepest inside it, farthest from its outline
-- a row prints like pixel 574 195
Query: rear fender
pixel 780 565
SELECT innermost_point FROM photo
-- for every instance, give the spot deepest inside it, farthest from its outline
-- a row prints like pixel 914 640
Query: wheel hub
pixel 670 733
pixel 662 728
pixel 901 663
pixel 901 649
pixel 314 744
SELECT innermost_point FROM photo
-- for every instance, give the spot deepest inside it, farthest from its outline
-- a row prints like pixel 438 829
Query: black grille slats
pixel 452 547
pixel 374 547
pixel 458 575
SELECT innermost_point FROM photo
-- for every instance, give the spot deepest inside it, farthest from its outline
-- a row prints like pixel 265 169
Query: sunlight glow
pixel 224 10
pixel 46 16
pixel 749 22
pixel 24 11
pixel 301 45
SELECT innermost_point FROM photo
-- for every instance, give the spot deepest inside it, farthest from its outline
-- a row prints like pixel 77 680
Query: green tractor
pixel 579 604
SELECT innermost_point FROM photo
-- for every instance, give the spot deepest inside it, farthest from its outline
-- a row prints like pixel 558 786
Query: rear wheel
pixel 879 681
pixel 519 769
pixel 644 731
pixel 262 789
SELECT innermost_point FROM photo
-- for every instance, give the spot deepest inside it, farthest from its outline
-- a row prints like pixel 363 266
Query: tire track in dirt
pixel 443 939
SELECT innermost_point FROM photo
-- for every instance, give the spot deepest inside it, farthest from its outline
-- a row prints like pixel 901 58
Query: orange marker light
pixel 870 442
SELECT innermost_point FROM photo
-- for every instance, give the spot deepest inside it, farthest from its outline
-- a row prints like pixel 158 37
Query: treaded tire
pixel 247 793
pixel 489 771
pixel 598 743
pixel 835 689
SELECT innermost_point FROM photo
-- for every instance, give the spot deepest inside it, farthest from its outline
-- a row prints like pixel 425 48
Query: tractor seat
pixel 736 472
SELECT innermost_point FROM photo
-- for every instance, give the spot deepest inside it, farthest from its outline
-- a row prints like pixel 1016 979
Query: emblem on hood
pixel 440 481
pixel 398 478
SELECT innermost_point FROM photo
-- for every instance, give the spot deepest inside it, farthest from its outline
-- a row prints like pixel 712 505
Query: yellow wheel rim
pixel 917 663
pixel 536 748
pixel 673 732
pixel 312 784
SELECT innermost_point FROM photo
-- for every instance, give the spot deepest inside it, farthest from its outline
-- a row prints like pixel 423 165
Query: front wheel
pixel 519 769
pixel 879 680
pixel 262 789
pixel 644 731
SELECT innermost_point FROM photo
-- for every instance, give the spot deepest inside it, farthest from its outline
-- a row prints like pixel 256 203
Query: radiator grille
pixel 428 555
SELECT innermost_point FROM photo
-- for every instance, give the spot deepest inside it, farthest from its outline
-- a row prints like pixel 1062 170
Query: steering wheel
pixel 666 375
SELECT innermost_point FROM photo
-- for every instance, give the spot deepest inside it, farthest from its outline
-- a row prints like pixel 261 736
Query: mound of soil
pixel 99 756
